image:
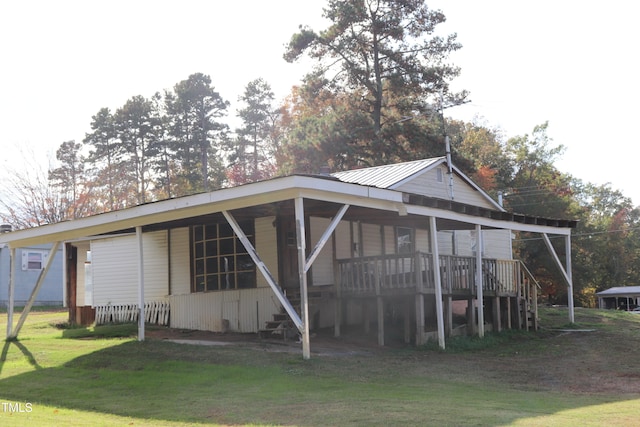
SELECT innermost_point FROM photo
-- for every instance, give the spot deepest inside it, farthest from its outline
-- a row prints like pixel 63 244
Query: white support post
pixel 264 270
pixel 566 274
pixel 12 286
pixel 480 296
pixel 567 243
pixel 304 304
pixel 36 289
pixel 140 284
pixel 433 231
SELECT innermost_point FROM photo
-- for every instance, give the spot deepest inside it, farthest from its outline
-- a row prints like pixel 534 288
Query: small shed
pixel 620 297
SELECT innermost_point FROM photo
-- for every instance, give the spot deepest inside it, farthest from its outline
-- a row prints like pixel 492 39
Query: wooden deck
pixel 413 273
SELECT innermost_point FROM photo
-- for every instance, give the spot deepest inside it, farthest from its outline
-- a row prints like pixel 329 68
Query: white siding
pixel 322 268
pixel 445 242
pixel 180 261
pixel 497 244
pixel 244 311
pixel 422 240
pixel 115 269
pixel 343 240
pixel 389 240
pixel 371 240
pixel 266 242
pixel 427 184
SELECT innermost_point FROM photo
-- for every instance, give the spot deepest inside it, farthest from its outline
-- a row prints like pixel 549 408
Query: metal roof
pixel 620 291
pixel 386 176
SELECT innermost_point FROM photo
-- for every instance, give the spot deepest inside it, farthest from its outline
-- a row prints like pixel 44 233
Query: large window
pixel 220 261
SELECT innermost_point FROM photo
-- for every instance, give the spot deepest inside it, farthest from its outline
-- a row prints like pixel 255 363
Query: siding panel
pixel 246 311
pixel 180 261
pixel 267 247
pixel 115 269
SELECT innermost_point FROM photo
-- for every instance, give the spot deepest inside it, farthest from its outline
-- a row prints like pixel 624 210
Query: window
pixel 33 260
pixel 404 238
pixel 439 176
pixel 219 260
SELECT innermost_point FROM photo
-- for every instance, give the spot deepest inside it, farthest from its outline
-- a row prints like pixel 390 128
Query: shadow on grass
pixel 27 354
pixel 156 380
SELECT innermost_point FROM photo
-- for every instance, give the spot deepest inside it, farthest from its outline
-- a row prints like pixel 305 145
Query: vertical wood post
pixel 12 286
pixel 304 296
pixel 567 244
pixel 420 319
pixel 338 286
pixel 140 284
pixel 479 275
pixel 380 313
pixel 433 231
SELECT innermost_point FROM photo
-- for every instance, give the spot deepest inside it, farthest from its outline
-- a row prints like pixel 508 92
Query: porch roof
pixel 315 187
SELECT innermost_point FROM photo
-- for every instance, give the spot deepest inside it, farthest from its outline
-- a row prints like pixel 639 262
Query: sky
pixel 571 63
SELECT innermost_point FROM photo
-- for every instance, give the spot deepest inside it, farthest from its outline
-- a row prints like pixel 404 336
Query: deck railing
pixel 377 274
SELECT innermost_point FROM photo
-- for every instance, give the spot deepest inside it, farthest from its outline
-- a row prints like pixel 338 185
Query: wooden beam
pixel 479 275
pixel 433 231
pixel 12 286
pixel 140 283
pixel 36 289
pixel 304 296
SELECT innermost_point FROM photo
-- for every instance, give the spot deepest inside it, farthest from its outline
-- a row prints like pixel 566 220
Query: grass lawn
pixel 104 376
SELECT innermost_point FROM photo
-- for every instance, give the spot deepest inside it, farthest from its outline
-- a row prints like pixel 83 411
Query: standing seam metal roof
pixel 385 176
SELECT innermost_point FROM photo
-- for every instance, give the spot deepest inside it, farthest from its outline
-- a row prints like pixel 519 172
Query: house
pixel 620 297
pixel 29 263
pixel 399 242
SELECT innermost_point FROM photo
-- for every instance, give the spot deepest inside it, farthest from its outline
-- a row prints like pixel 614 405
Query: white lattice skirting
pixel 156 312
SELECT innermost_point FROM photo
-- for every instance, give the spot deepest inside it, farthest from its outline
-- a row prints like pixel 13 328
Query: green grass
pixel 104 376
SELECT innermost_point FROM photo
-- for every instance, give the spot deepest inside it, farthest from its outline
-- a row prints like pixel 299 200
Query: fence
pixel 155 312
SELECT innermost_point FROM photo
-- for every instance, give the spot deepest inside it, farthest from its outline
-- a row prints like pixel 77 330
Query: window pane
pixel 211 231
pixel 199 250
pixel 199 283
pixel 226 230
pixel 405 244
pixel 226 280
pixel 226 246
pixel 244 263
pixel 197 233
pixel 212 265
pixel 212 282
pixel 199 266
pixel 246 280
pixel 212 248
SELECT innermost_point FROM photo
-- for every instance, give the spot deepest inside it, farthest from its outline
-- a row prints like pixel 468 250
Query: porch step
pixel 280 326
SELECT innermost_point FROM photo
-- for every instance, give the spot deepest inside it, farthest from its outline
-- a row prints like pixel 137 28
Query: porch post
pixel 36 289
pixel 12 285
pixel 140 284
pixel 567 244
pixel 304 304
pixel 479 281
pixel 433 231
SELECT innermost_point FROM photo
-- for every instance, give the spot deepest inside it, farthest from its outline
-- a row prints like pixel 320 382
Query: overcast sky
pixel 571 63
